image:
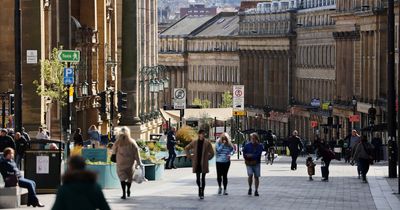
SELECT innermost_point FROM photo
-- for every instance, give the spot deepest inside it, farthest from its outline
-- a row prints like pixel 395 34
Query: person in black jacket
pixel 327 156
pixel 25 134
pixel 9 169
pixel 295 147
pixel 78 139
pixel 6 140
pixel 171 142
pixel 21 145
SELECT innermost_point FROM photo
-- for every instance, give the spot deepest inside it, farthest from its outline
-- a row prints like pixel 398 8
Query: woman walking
pixel 252 156
pixel 200 151
pixel 363 154
pixel 327 156
pixel 224 150
pixel 127 155
pixel 78 139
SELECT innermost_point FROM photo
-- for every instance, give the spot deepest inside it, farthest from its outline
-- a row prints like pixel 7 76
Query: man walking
pixel 21 145
pixel 6 140
pixel 295 146
pixel 171 142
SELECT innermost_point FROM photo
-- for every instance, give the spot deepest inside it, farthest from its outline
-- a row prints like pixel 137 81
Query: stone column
pixel 130 71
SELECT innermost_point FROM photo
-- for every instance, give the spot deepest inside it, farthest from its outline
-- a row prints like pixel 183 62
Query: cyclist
pixel 270 147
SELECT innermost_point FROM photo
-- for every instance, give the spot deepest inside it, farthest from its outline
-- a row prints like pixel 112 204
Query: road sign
pixel 31 57
pixel 238 97
pixel 239 113
pixel 73 56
pixel 354 118
pixel 71 94
pixel 179 98
pixel 314 124
pixel 68 76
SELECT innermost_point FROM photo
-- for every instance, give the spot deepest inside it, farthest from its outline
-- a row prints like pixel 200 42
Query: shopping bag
pixel 139 176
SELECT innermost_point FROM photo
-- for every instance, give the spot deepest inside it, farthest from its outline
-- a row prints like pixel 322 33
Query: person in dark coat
pixel 171 142
pixel 327 156
pixel 25 134
pixel 295 147
pixel 377 143
pixel 79 189
pixel 21 145
pixel 9 169
pixel 6 140
pixel 78 139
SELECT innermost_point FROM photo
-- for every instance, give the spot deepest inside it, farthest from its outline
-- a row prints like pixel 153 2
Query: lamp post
pixel 18 71
pixel 330 121
pixel 354 103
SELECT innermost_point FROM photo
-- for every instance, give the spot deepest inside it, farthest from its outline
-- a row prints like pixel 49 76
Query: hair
pixel 76 163
pixel 78 130
pixel 7 151
pixel 93 127
pixel 255 135
pixel 295 132
pixel 124 137
pixel 201 131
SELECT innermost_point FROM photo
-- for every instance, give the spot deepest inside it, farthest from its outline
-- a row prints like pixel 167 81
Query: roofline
pixel 211 21
pixel 161 33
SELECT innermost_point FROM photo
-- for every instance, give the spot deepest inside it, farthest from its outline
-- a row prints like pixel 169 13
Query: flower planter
pixel 154 171
pixel 107 176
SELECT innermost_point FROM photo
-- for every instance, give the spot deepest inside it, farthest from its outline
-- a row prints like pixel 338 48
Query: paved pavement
pixel 280 189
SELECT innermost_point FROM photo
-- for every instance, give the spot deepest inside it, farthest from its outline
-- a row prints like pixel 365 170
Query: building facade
pixel 198 10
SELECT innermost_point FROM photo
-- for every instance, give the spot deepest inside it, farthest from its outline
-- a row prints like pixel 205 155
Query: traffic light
pixel 12 104
pixel 122 101
pixel 103 102
pixel 372 115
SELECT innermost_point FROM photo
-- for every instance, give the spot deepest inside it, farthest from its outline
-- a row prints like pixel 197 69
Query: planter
pixel 154 171
pixel 107 176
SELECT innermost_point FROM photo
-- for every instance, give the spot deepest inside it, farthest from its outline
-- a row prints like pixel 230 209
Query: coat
pixel 295 145
pixel 126 155
pixel 207 154
pixel 80 191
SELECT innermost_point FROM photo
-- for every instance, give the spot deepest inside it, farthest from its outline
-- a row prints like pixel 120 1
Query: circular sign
pixel 180 94
pixel 238 93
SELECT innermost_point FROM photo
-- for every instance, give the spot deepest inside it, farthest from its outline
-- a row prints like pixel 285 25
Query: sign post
pixel 180 102
pixel 238 109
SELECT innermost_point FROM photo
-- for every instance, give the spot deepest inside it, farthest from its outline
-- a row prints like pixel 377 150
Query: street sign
pixel 238 97
pixel 31 57
pixel 179 98
pixel 71 94
pixel 73 56
pixel 239 113
pixel 354 118
pixel 68 76
pixel 314 124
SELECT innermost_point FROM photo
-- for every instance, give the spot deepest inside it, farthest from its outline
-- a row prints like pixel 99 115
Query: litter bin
pixel 43 162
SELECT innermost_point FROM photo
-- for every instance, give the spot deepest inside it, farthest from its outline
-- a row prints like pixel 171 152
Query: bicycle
pixel 270 155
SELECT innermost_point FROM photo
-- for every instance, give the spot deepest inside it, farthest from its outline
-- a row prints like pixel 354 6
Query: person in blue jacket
pixel 252 156
pixel 224 150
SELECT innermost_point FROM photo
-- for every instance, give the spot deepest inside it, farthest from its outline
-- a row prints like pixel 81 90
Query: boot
pixel 201 190
pixel 123 185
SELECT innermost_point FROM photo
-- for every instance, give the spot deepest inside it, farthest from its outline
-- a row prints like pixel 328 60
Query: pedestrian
pixel 269 147
pixel 363 154
pixel 377 143
pixel 295 146
pixel 42 134
pixel 310 167
pixel 6 140
pixel 79 189
pixel 171 142
pixel 21 145
pixel 252 156
pixel 200 151
pixel 355 139
pixel 78 139
pixel 127 156
pixel 224 150
pixel 12 176
pixel 94 136
pixel 25 134
pixel 326 156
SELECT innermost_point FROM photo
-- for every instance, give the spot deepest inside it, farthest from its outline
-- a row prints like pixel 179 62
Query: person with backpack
pixel 363 154
pixel 327 156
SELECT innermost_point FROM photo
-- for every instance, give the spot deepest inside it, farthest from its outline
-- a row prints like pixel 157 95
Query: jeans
pixel 254 170
pixel 364 167
pixel 222 173
pixel 31 187
pixel 171 157
pixel 294 162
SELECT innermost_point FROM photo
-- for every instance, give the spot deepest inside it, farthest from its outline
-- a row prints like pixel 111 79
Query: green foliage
pixel 203 103
pixel 51 72
pixel 227 100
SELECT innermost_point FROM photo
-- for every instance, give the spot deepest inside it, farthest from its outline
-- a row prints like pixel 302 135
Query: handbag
pixel 11 181
pixel 113 158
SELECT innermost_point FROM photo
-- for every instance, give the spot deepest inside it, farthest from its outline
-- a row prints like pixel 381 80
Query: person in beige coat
pixel 127 156
pixel 200 152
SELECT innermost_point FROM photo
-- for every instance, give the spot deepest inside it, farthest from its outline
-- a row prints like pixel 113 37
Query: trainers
pixel 225 193
pixel 219 191
pixel 249 192
pixel 256 193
